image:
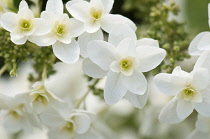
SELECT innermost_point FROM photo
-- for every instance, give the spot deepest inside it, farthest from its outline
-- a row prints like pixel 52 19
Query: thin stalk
pixel 3 69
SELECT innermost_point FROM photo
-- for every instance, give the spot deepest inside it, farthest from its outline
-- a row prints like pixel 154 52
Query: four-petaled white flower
pixel 190 91
pixel 201 42
pixel 62 34
pixel 40 98
pixel 124 59
pixel 22 26
pixel 17 115
pixel 67 123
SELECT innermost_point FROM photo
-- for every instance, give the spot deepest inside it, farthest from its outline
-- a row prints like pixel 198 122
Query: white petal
pixel 17 33
pixel 108 20
pixel 203 108
pixel 101 53
pixel 136 83
pixel 168 113
pixel 44 40
pixel 25 13
pixel 51 17
pixel 68 53
pixel 23 4
pixel 114 88
pixel 82 122
pixel 168 84
pixel 85 38
pixel 19 41
pixel 196 134
pixel 115 67
pixel 127 47
pixel 204 60
pixel 9 21
pixel 184 108
pixel 137 101
pixel 79 9
pixel 76 27
pixel 119 33
pixel 149 57
pixel 204 42
pixel 180 73
pixel 202 123
pixel 91 25
pixel 193 48
pixel 200 78
pixel 147 42
pixel 55 6
pixel 42 26
pixel 92 70
pixel 108 4
pixel 206 94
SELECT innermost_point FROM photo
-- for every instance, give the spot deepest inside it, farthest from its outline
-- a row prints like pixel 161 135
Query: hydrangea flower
pixel 62 34
pixel 67 123
pixel 201 42
pixel 189 91
pixel 22 26
pixel 17 115
pixel 95 16
pixel 123 59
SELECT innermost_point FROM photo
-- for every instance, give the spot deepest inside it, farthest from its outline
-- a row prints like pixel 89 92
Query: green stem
pixel 86 94
pixel 3 69
pixel 44 73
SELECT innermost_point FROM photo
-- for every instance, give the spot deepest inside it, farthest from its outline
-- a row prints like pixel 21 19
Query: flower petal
pixel 85 38
pixel 9 21
pixel 25 13
pixel 91 25
pixel 204 60
pixel 168 113
pixel 204 42
pixel 127 47
pixel 184 108
pixel 108 4
pixel 76 27
pixel 193 48
pixel 102 53
pixel 108 20
pixel 136 83
pixel 137 101
pixel 68 53
pixel 44 40
pixel 202 123
pixel 203 108
pixel 19 41
pixel 147 42
pixel 119 33
pixel 149 57
pixel 82 122
pixel 200 78
pixel 114 88
pixel 23 4
pixel 79 9
pixel 42 26
pixel 92 70
pixel 55 6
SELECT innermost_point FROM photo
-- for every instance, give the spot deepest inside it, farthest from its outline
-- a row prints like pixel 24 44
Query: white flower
pixel 123 59
pixel 64 123
pixel 95 14
pixel 201 42
pixel 23 25
pixel 62 34
pixel 202 128
pixel 40 98
pixel 17 115
pixel 189 90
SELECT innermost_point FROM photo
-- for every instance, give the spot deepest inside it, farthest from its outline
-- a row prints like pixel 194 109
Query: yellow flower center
pixel 126 63
pixel 69 127
pixel 25 24
pixel 41 99
pixel 60 29
pixel 188 93
pixel 96 13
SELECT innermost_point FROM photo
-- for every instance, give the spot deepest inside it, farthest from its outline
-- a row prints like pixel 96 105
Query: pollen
pixel 96 13
pixel 126 63
pixel 25 24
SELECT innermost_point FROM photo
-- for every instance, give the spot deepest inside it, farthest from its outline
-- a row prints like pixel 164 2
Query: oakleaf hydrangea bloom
pixel 123 59
pixel 23 25
pixel 202 128
pixel 67 123
pixel 62 34
pixel 95 15
pixel 17 115
pixel 201 42
pixel 189 91
pixel 40 98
